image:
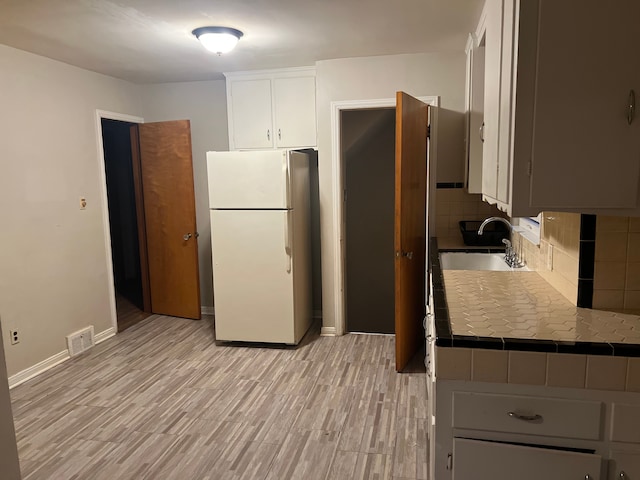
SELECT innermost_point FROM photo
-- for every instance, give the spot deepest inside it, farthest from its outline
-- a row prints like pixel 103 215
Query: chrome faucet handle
pixel 509 253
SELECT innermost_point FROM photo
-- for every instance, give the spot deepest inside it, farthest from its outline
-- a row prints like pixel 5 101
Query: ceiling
pixel 150 41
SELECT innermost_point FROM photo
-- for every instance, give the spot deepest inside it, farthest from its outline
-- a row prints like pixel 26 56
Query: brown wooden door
pixel 170 218
pixel 410 225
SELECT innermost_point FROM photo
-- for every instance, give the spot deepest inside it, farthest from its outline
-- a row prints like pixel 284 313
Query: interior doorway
pixel 124 223
pixel 414 175
pixel 158 157
pixel 368 156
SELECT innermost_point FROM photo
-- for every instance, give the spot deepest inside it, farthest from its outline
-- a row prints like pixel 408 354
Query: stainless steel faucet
pixel 494 219
pixel 510 255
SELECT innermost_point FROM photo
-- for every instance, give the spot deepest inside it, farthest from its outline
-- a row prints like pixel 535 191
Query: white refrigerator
pixel 260 238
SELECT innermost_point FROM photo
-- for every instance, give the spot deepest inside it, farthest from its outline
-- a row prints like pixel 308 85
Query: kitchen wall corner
pixel 454 204
pixel 617 264
pixel 557 257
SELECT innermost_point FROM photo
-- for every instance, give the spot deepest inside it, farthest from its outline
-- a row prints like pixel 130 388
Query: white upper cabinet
pixel 272 109
pixel 490 36
pixel 560 81
pixel 295 111
pixel 251 123
pixel 474 114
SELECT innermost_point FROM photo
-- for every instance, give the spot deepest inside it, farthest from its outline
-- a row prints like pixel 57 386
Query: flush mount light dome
pixel 218 39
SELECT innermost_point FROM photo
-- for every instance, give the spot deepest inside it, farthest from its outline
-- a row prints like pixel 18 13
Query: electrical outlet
pixel 83 203
pixel 14 337
pixel 550 258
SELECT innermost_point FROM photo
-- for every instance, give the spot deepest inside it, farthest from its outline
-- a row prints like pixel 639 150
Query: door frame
pixel 100 114
pixel 337 195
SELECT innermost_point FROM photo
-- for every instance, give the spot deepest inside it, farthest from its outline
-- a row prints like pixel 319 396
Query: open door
pixel 410 225
pixel 166 172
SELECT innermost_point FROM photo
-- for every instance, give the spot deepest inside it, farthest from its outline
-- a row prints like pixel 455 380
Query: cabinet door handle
pixel 268 134
pixel 526 418
pixel 631 113
pixel 481 132
pixel 623 476
pixel 279 135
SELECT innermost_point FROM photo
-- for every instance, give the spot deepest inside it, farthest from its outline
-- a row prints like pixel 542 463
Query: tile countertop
pixel 521 311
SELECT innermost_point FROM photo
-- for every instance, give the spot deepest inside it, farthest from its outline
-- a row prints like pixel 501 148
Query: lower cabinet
pixel 488 460
pixel 624 465
pixel 499 431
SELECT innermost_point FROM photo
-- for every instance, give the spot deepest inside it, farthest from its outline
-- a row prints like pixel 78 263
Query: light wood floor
pixel 128 313
pixel 162 401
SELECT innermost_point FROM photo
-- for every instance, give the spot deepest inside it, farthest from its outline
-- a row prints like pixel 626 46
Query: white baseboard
pixel 102 336
pixel 58 358
pixel 328 331
pixel 38 368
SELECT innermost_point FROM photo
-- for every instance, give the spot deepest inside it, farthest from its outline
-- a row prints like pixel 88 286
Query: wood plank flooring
pixel 128 314
pixel 163 401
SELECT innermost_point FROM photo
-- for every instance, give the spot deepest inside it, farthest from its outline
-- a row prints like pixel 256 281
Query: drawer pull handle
pixel 526 418
pixel 623 476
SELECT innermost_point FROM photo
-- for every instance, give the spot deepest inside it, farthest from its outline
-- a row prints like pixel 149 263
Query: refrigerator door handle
pixel 286 179
pixel 287 240
pixel 286 174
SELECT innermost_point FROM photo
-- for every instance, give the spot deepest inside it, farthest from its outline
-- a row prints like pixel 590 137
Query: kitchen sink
pixel 476 261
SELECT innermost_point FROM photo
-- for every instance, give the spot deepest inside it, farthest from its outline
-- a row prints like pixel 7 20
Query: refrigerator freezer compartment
pixel 248 180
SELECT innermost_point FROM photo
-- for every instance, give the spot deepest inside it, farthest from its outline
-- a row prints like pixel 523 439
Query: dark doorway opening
pixel 368 150
pixel 123 222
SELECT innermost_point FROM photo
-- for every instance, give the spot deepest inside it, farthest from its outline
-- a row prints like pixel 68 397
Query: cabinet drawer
pixel 475 460
pixel 625 423
pixel 550 417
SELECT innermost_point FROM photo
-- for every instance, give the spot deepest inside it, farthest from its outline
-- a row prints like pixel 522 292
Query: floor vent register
pixel 80 341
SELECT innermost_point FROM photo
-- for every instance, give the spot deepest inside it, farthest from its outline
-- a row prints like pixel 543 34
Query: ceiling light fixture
pixel 218 39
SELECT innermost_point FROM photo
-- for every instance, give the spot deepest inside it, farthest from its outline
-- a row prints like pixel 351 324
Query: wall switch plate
pixel 550 257
pixel 83 203
pixel 13 334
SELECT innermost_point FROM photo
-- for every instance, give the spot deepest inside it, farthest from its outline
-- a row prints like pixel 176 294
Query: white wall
pixel 370 78
pixel 205 105
pixel 54 267
pixel 451 146
pixel 53 261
